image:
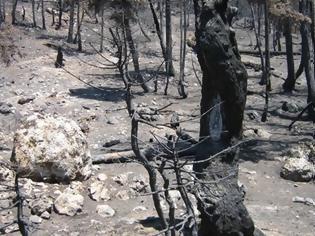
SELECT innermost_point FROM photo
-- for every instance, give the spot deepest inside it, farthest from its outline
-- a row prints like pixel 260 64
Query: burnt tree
pixel 224 86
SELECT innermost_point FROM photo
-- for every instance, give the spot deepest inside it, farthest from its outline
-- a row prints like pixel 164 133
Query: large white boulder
pixel 51 148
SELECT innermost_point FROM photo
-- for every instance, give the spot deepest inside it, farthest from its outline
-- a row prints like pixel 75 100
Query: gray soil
pixel 268 197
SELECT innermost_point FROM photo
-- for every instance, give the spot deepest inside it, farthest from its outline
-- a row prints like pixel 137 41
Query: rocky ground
pixel 113 201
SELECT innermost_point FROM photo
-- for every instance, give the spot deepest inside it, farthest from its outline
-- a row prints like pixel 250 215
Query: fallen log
pixel 272 53
pixel 113 157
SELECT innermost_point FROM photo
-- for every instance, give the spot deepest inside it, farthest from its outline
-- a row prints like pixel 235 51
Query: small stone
pixel 41 205
pixel 5 108
pixel 298 169
pixel 74 234
pixel 290 107
pixel 111 143
pixel 263 134
pixel 122 195
pixel 98 191
pixel 249 133
pixel 139 208
pixel 102 177
pixel 121 179
pixel 175 195
pixel 70 202
pixel 105 211
pixel 127 220
pixel 35 219
pixel 25 100
pixel 45 215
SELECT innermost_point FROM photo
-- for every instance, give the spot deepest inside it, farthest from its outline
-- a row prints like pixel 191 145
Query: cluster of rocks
pixel 149 113
pixel 299 163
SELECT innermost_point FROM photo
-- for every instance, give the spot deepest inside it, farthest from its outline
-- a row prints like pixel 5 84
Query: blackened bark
pixel 266 79
pixel 135 55
pixel 183 35
pixel 43 15
pixel 169 39
pixel 33 13
pixel 60 14
pixel 102 31
pixel 14 12
pixel 71 22
pixel 158 29
pixel 224 76
pixel 289 84
pixel 1 14
pixel 307 63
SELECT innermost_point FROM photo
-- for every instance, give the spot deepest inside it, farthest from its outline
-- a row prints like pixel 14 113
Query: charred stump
pixel 224 87
pixel 59 60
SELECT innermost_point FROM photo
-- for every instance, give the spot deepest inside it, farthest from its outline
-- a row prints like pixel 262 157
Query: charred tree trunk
pixel 14 12
pixel 135 55
pixel 158 28
pixel 2 10
pixel 79 22
pixel 71 22
pixel 33 13
pixel 1 14
pixel 289 84
pixel 224 85
pixel 307 63
pixel 102 30
pixel 43 15
pixel 169 39
pixel 258 42
pixel 60 14
pixel 183 35
pixel 266 79
pixel 312 12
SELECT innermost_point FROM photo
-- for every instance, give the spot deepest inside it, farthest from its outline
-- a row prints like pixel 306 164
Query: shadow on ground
pixel 101 94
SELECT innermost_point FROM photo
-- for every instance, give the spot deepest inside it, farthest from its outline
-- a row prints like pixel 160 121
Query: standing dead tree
pixel 14 186
pixel 13 14
pixel 183 37
pixel 71 21
pixel 224 81
pixel 123 14
pixel 33 13
pixel 43 15
pixel 284 13
pixel 1 13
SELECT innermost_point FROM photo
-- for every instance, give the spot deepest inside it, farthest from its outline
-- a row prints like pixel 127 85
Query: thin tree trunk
pixel 79 19
pixel 307 63
pixel 169 41
pixel 14 12
pixel 60 14
pixel 135 56
pixel 1 14
pixel 102 30
pixel 266 79
pixel 258 42
pixel 289 84
pixel 158 30
pixel 43 16
pixel 33 13
pixel 3 10
pixel 71 22
pixel 183 34
pixel 312 12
